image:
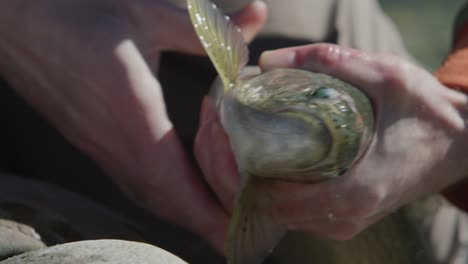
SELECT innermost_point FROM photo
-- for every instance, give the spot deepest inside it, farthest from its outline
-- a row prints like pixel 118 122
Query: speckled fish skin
pixel 285 124
pixel 296 125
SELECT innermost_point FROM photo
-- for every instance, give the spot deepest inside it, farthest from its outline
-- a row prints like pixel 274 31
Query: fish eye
pixel 323 93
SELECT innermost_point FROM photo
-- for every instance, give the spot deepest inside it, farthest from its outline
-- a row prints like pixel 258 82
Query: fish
pixel 285 124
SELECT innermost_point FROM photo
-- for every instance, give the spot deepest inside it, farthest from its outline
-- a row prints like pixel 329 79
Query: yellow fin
pixel 252 233
pixel 221 39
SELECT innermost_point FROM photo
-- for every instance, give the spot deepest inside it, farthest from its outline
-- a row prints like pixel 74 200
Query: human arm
pixel 87 66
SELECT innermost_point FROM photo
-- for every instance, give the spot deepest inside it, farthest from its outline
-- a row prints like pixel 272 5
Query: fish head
pixel 296 125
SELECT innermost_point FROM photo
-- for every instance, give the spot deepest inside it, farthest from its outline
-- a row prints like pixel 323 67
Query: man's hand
pixel 420 145
pixel 87 66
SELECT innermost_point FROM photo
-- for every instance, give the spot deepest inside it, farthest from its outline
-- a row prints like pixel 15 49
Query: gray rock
pixel 97 252
pixel 16 238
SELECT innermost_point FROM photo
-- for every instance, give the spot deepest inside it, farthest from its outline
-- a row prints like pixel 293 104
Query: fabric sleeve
pixel 454 71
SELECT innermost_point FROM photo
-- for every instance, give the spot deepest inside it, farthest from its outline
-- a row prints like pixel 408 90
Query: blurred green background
pixel 426 26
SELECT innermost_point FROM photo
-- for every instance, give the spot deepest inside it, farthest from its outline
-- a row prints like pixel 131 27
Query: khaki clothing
pixel 359 24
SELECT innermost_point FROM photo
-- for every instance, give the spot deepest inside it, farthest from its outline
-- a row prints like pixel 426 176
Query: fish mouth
pixel 288 142
pixel 284 120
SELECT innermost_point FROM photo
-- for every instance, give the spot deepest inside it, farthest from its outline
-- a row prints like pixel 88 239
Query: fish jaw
pixel 282 126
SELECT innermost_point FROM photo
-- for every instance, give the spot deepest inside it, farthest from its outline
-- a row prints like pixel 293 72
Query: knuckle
pixel 287 213
pixel 366 203
pixel 339 231
pixel 347 232
pixel 324 54
pixel 394 71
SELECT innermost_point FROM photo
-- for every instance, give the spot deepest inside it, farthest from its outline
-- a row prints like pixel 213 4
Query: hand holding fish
pixel 419 146
pixel 87 66
pixel 312 152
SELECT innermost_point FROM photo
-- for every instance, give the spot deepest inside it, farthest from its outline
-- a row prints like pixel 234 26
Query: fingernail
pixel 277 59
pixel 258 5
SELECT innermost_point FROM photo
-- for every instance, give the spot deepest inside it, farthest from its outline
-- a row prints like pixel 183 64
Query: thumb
pixel 251 19
pixel 169 27
pixel 215 157
pixel 368 71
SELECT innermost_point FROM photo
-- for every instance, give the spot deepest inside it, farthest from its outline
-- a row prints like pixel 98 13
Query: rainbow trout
pixel 285 124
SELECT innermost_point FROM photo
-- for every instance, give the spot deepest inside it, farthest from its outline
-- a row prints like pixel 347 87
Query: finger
pixel 251 19
pixel 386 79
pixel 169 27
pixel 214 156
pixel 208 112
pixel 336 229
pixel 155 147
pixel 173 191
pixel 296 203
pixel 331 229
pixel 365 70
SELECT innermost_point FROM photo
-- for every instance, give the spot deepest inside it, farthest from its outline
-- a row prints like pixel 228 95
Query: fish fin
pixel 221 39
pixel 252 233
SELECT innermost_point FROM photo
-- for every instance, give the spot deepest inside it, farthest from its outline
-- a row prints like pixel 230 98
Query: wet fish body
pixel 285 124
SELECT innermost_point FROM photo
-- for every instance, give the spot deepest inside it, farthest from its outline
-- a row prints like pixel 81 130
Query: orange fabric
pixel 454 74
pixel 454 71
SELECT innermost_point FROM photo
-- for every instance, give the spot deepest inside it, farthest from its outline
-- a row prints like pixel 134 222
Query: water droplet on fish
pixel 189 6
pixel 213 6
pixel 199 18
pixel 343 108
pixel 227 18
pixel 228 48
pixel 205 43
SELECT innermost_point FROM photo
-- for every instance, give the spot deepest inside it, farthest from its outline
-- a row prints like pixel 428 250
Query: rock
pixel 60 216
pixel 97 252
pixel 16 238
